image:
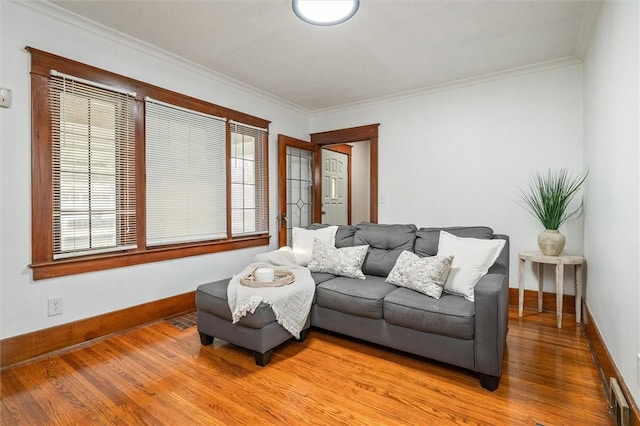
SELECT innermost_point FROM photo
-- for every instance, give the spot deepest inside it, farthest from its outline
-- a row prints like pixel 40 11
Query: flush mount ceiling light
pixel 325 12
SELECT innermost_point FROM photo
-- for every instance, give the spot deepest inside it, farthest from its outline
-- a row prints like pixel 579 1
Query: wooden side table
pixel 559 261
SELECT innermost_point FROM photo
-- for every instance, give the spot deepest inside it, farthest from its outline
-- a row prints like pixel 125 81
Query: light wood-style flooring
pixel 159 374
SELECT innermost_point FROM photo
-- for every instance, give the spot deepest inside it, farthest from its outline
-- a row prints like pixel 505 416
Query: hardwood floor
pixel 160 374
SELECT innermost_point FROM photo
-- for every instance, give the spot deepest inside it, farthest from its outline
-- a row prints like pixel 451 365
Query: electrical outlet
pixel 55 306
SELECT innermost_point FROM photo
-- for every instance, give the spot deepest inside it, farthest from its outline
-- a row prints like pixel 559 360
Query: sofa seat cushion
pixel 212 298
pixel 451 315
pixel 320 277
pixel 352 296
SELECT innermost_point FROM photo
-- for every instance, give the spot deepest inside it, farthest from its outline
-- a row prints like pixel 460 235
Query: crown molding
pixel 589 19
pixel 471 81
pixel 86 24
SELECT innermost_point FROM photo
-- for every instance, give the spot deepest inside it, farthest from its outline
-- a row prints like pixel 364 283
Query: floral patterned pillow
pixel 424 274
pixel 346 261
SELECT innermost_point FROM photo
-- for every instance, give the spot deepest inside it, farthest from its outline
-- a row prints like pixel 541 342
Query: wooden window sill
pixel 43 270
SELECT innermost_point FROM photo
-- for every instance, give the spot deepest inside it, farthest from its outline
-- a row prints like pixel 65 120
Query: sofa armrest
pixel 501 264
pixel 491 317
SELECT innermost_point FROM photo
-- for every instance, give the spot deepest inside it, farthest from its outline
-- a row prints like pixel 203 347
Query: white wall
pixel 24 301
pixel 612 215
pixel 360 180
pixel 458 156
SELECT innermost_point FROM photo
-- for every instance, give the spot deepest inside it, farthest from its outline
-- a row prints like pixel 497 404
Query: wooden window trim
pixel 43 265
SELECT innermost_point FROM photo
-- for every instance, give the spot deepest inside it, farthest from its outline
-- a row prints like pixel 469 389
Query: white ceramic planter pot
pixel 551 242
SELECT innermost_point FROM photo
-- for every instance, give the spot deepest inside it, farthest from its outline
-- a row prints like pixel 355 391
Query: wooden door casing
pixel 342 136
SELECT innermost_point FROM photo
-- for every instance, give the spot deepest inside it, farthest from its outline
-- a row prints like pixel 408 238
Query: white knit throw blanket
pixel 291 303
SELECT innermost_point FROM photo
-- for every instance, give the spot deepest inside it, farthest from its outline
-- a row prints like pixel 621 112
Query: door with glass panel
pixel 295 186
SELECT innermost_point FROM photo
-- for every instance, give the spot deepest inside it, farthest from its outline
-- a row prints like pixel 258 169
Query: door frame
pixel 342 149
pixel 349 135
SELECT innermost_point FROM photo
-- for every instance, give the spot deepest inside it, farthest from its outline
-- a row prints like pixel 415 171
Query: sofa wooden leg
pixel 489 382
pixel 303 336
pixel 205 339
pixel 263 359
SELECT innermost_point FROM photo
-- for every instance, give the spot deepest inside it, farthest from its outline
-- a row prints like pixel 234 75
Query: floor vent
pixel 618 403
pixel 184 321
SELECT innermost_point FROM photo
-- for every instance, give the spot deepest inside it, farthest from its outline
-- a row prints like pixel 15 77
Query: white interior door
pixel 334 187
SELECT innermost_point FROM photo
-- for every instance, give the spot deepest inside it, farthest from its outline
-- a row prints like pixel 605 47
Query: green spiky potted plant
pixel 548 199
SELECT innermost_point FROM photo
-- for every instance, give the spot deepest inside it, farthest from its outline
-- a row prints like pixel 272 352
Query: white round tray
pixel 280 277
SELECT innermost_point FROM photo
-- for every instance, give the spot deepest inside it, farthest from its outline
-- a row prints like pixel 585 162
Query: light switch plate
pixel 5 98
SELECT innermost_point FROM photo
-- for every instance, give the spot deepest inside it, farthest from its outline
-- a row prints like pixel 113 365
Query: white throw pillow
pixel 426 275
pixel 472 258
pixel 345 261
pixel 303 241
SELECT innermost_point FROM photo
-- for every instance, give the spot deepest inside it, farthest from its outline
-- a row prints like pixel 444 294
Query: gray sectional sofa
pixel 451 329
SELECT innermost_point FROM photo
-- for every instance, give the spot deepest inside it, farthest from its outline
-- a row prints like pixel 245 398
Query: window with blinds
pixel 186 177
pixel 249 195
pixel 121 178
pixel 93 140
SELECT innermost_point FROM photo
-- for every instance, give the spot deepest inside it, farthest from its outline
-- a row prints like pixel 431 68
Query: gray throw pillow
pixel 424 274
pixel 346 261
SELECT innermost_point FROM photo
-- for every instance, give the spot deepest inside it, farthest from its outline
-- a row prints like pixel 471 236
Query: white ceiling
pixel 390 47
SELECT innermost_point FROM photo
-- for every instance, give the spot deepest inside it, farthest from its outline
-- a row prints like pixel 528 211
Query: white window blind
pixel 94 197
pixel 186 188
pixel 249 180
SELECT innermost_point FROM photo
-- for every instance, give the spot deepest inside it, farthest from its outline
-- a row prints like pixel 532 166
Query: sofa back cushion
pixel 344 235
pixel 385 242
pixel 427 238
pixel 427 243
